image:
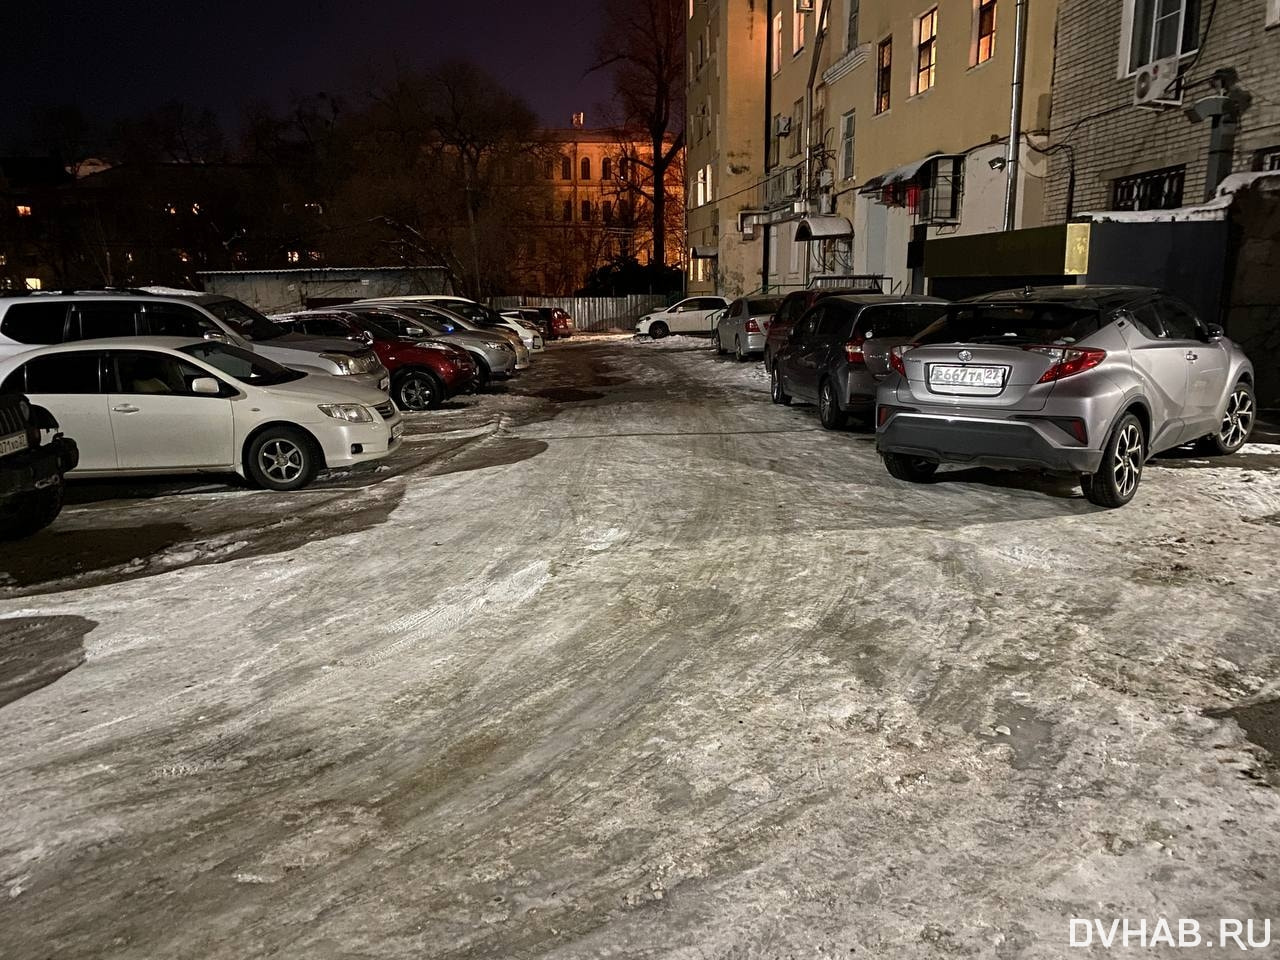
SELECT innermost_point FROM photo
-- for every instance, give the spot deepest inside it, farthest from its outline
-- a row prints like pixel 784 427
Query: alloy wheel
pixel 282 460
pixel 416 392
pixel 1238 420
pixel 1126 464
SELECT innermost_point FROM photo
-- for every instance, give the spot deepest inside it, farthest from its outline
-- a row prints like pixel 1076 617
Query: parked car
pixel 1087 380
pixel 529 332
pixel 160 405
pixel 471 316
pixel 793 307
pixel 31 468
pixel 26 322
pixel 556 323
pixel 838 352
pixel 742 326
pixel 423 375
pixel 494 357
pixel 691 315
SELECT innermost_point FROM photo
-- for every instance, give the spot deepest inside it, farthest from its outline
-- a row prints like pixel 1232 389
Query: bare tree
pixel 643 44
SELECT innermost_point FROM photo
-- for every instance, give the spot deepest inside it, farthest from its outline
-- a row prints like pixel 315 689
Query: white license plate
pixel 397 431
pixel 945 375
pixel 384 384
pixel 13 443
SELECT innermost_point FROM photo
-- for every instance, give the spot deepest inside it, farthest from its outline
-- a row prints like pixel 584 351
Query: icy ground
pixel 625 661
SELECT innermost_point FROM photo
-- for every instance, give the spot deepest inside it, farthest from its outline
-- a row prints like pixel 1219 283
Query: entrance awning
pixel 900 174
pixel 825 227
pixel 703 253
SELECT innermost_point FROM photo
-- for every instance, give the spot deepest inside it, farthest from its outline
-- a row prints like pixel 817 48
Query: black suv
pixel 30 471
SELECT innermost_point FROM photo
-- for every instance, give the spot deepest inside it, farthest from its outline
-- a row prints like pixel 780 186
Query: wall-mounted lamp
pixel 997 163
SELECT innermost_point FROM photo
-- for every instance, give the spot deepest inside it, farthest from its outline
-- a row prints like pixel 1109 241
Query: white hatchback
pixel 159 405
pixel 692 315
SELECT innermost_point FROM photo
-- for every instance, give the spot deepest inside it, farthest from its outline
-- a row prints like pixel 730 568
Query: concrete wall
pixel 278 291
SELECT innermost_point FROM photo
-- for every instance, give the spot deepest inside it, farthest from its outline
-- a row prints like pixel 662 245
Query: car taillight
pixel 853 351
pixel 752 326
pixel 1067 361
pixel 895 359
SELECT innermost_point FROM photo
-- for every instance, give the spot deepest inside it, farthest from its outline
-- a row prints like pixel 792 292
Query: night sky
pixel 122 58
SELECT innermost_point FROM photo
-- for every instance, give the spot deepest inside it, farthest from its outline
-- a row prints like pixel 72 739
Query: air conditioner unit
pixel 1157 85
pixel 782 126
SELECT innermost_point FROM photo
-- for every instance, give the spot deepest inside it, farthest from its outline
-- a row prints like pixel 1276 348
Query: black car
pixel 838 352
pixel 31 470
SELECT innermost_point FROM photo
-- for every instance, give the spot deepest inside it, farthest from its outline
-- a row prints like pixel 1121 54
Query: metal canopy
pixel 825 227
pixel 900 174
pixel 703 253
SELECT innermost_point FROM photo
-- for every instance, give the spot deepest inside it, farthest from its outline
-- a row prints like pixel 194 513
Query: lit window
pixel 24 211
pixel 315 256
pixel 884 73
pixel 710 192
pixel 776 42
pixel 4 259
pixel 797 28
pixel 313 207
pixel 846 146
pixel 986 31
pixel 1161 28
pixel 184 256
pixel 293 256
pixel 171 209
pixel 33 283
pixel 195 209
pixel 700 188
pixel 926 50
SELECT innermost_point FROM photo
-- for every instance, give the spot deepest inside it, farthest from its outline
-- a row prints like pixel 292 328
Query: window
pixel 711 194
pixel 175 320
pixel 586 168
pixel 1268 159
pixel 153 374
pixel 851 38
pixel 773 250
pixel 797 28
pixel 548 168
pixel 104 318
pixel 831 322
pixel 606 211
pixel 35 323
pixel 244 365
pixel 1154 190
pixel 900 320
pixel 986 31
pixel 568 211
pixel 1178 319
pixel 64 373
pixel 24 210
pixel 797 118
pixel 606 169
pixel 1161 28
pixel 293 256
pixel 775 43
pixel 1273 13
pixel 796 250
pixel 846 146
pixel 700 187
pixel 926 51
pixel 884 73
pixel 566 168
pixel 586 211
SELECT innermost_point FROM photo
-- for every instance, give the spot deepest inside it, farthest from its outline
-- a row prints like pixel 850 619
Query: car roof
pixel 107 343
pixel 1089 296
pixel 880 299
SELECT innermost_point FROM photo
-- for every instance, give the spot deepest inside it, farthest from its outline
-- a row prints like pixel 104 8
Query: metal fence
pixel 592 313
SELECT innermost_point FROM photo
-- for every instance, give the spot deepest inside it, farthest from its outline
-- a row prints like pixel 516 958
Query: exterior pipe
pixel 1011 165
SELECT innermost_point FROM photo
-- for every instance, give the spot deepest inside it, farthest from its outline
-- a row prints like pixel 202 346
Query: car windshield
pixel 431 322
pixel 761 305
pixel 376 329
pixel 244 320
pixel 1013 324
pixel 241 364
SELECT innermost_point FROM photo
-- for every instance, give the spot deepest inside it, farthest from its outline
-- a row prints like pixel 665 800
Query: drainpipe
pixel 768 135
pixel 1011 165
pixel 819 37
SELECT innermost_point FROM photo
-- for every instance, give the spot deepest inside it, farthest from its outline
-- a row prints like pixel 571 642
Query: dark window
pixel 1147 321
pixel 853 25
pixel 606 211
pixel 762 305
pixel 38 323
pixel 1268 159
pixel 832 322
pixel 942 181
pixel 586 168
pixel 548 168
pixel 1155 190
pixel 606 169
pixel 64 373
pixel 586 211
pixel 568 210
pixel 735 308
pixel 1163 28
pixel 791 308
pixel 1178 319
pixel 566 168
pixel 986 30
pixel 176 320
pixel 326 327
pixel 806 324
pixel 104 318
pixel 884 74
pixel 154 374
pixel 244 320
pixel 1047 323
pixel 901 321
pixel 708 303
pixel 242 364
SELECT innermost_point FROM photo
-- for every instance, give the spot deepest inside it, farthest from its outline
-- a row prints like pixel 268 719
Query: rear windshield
pixel 1012 323
pixel 902 321
pixel 763 305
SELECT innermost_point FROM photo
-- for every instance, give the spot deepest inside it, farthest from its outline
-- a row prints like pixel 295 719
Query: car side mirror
pixel 414 332
pixel 217 336
pixel 1214 331
pixel 206 386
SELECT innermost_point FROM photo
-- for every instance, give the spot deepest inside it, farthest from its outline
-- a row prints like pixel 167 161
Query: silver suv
pixel 41 320
pixel 1089 380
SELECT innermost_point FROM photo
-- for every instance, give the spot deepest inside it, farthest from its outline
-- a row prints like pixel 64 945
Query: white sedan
pixel 159 405
pixel 691 315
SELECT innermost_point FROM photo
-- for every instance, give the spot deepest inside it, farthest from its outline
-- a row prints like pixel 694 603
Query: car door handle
pixel 126 408
pixel 1192 356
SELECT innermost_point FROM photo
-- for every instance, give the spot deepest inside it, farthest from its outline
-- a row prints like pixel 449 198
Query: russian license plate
pixel 13 443
pixel 384 384
pixel 397 431
pixel 948 375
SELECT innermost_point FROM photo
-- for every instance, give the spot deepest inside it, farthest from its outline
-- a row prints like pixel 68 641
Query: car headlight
pixel 497 345
pixel 351 412
pixel 346 364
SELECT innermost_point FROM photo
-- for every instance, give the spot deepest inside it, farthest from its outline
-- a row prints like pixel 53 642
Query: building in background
pixel 725 133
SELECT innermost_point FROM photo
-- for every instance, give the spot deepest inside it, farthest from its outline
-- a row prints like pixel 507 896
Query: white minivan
pixel 691 315
pixel 160 405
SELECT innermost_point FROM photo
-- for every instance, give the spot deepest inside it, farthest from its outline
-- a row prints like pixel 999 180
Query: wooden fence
pixel 592 313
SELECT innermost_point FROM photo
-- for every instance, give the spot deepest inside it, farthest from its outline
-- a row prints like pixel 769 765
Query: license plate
pixel 13 443
pixel 384 384
pixel 946 375
pixel 397 431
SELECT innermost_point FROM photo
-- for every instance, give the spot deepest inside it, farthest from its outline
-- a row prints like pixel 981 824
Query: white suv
pixel 42 320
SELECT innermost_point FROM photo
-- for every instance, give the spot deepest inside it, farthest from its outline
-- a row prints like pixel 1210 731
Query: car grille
pixel 11 420
pixel 367 362
pixel 387 410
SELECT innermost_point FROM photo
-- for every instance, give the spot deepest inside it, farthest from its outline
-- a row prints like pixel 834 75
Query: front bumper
pixel 1001 444
pixel 39 467
pixel 377 380
pixel 345 444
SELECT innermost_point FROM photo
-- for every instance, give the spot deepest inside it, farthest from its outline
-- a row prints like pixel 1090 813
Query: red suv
pixel 422 377
pixel 793 305
pixel 555 323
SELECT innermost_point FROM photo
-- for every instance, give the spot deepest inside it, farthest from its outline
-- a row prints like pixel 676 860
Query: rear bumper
pixel 755 342
pixel 38 468
pixel 1001 444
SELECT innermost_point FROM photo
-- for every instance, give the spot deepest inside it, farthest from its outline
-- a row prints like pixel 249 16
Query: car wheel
pixel 417 390
pixel 737 350
pixel 483 374
pixel 282 458
pixel 658 330
pixel 1237 422
pixel 776 393
pixel 829 412
pixel 32 512
pixel 765 357
pixel 1117 478
pixel 715 342
pixel 911 469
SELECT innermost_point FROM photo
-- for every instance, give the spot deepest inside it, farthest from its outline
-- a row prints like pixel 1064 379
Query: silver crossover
pixel 1088 380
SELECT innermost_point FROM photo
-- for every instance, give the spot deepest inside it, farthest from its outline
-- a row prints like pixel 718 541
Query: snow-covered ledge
pixel 854 58
pixel 1215 209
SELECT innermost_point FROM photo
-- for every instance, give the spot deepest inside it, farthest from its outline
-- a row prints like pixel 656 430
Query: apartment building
pixel 1130 140
pixel 725 131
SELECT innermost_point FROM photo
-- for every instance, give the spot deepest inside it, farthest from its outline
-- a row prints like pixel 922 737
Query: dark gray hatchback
pixel 838 352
